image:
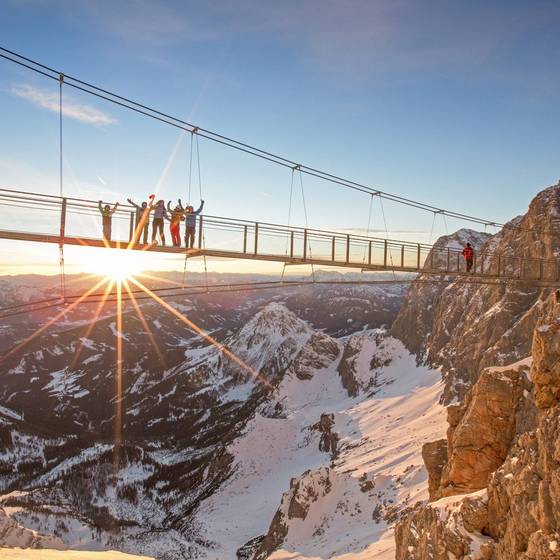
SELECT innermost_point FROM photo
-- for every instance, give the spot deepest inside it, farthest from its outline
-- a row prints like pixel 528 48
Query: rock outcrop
pixel 505 439
pixel 451 528
pixel 466 327
pixel 14 535
pixel 310 487
pixel 482 429
pixel 329 438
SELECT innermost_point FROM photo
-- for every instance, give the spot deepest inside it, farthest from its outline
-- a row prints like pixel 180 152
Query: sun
pixel 116 265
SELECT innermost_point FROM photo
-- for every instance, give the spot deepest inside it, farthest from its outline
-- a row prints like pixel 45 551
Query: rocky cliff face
pixel 464 327
pixel 504 443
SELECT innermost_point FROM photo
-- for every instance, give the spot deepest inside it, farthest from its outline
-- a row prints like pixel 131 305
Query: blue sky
pixel 453 103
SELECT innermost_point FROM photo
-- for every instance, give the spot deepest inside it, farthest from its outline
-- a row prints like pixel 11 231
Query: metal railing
pixel 65 219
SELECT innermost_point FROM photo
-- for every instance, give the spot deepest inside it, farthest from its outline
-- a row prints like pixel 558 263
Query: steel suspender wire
pixel 289 221
pixel 203 239
pixel 387 236
pixel 61 179
pixel 306 222
pixel 366 248
pixel 189 175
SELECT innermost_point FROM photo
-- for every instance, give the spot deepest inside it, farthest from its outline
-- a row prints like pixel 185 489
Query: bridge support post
pixel 418 258
pixel 245 238
pixel 333 249
pixel 402 256
pixel 292 244
pixel 200 232
pixel 131 227
pixel 304 244
pixel 256 248
pixel 347 249
pixel 63 222
pixel 385 254
pixel 369 253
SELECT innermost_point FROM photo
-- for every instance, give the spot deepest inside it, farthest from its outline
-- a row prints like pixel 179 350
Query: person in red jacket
pixel 468 253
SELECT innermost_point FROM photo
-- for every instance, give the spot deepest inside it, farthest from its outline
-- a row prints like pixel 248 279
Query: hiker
pixel 142 224
pixel 468 253
pixel 177 216
pixel 107 214
pixel 157 223
pixel 190 216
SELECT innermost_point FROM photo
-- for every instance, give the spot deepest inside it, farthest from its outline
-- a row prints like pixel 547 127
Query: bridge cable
pixel 306 223
pixel 387 236
pixel 289 221
pixel 366 248
pixel 200 218
pixel 432 228
pixel 232 143
pixel 61 179
pixel 189 175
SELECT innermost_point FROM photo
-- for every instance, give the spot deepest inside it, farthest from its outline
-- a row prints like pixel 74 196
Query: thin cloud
pixel 49 100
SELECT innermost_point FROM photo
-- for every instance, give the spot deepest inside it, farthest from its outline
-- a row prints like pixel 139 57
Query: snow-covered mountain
pixel 211 449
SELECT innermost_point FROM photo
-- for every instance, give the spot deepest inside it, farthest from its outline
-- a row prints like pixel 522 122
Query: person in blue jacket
pixel 190 223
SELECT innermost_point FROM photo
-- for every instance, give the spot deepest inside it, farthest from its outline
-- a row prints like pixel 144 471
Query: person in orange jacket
pixel 177 216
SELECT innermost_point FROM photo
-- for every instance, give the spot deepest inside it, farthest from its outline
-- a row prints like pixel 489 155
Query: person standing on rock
pixel 468 253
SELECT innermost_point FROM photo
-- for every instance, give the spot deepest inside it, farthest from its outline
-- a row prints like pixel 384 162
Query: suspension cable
pixel 232 143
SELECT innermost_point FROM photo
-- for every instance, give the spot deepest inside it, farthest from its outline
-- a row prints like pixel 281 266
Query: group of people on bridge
pixel 174 215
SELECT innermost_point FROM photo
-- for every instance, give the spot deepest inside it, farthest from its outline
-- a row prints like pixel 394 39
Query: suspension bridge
pixel 71 221
pixel 64 220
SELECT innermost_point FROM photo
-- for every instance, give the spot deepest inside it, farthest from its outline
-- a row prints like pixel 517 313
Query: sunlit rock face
pixel 464 328
pixel 505 441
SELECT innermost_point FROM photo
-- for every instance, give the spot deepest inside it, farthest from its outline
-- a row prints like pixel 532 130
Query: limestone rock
pixel 448 528
pixel 434 454
pixel 304 490
pixel 329 438
pixel 545 371
pixel 463 327
pixel 481 431
pixel 12 534
pixel 521 518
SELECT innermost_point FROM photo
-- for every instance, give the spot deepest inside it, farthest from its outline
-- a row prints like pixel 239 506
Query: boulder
pixel 481 431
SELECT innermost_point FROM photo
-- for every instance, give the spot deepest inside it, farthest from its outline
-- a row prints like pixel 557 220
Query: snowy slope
pixel 26 554
pixel 379 470
pixel 378 466
pixel 337 430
